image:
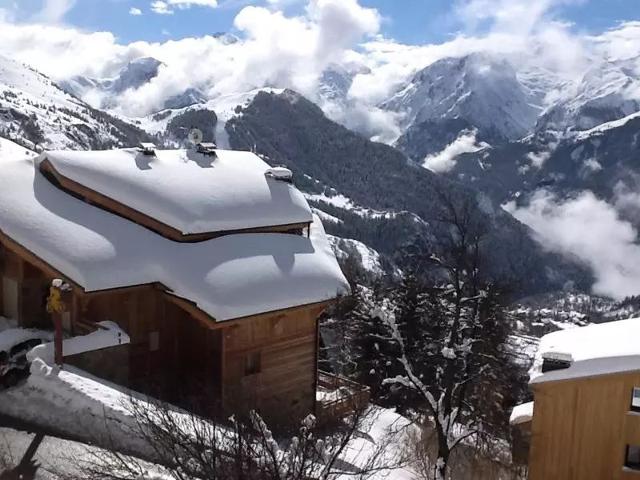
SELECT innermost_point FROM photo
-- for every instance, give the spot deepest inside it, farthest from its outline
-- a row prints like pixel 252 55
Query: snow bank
pixel 227 277
pixel 71 402
pixel 383 427
pixel 189 191
pixel 7 323
pixel 14 336
pixel 596 350
pixel 521 414
pixel 111 335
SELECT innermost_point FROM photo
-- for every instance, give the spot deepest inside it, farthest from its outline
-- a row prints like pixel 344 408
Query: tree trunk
pixel 440 469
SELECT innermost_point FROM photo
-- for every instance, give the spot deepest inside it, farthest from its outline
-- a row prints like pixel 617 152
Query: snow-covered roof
pixel 186 190
pixel 522 413
pixel 605 348
pixel 227 277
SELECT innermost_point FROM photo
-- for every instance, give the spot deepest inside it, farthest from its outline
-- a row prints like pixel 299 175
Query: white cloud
pixel 165 7
pixel 193 3
pixel 135 11
pixel 538 159
pixel 161 8
pixel 53 11
pixel 446 160
pixel 591 230
pixel 276 49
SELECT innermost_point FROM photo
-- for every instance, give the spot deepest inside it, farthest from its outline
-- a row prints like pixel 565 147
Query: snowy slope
pixel 608 91
pixel 224 106
pixel 135 74
pixel 34 108
pixel 478 88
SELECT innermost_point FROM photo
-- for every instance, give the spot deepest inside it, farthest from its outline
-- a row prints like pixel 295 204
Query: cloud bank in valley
pixel 590 230
pixel 446 160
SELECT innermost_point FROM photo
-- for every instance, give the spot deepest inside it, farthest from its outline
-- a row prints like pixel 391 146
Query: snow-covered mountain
pixel 477 92
pixel 608 91
pixel 133 75
pixel 36 110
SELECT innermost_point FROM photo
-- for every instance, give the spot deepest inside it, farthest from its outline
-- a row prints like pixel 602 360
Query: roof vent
pixel 207 148
pixel 556 361
pixel 147 148
pixel 280 173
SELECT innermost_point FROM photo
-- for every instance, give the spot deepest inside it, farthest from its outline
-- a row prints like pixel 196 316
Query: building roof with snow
pixel 522 413
pixel 188 191
pixel 601 349
pixel 227 277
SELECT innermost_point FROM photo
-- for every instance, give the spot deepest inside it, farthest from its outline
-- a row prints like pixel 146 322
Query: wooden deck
pixel 337 396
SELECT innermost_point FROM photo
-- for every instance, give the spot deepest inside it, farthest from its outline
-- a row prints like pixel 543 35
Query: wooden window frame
pixel 627 464
pixel 252 363
pixel 632 407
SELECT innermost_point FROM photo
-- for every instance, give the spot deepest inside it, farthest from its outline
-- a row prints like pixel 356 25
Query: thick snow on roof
pixel 522 413
pixel 596 350
pixel 189 191
pixel 227 277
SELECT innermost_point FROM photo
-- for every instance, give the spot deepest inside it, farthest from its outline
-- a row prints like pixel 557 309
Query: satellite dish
pixel 196 136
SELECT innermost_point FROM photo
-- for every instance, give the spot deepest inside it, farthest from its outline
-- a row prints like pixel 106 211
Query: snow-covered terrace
pixel 227 277
pixel 601 349
pixel 186 190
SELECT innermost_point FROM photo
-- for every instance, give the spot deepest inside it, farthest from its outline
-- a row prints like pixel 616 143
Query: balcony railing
pixel 337 396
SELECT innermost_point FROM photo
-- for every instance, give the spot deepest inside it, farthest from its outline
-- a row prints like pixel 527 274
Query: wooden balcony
pixel 337 396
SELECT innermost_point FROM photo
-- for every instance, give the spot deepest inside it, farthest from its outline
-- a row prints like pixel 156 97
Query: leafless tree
pixel 451 340
pixel 244 448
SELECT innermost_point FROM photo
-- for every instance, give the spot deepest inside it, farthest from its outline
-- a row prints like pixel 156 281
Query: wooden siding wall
pixel 32 289
pixel 581 428
pixel 285 345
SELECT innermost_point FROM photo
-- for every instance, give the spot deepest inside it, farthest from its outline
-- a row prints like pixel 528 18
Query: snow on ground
pixel 368 257
pixel 6 323
pixel 110 335
pixel 189 191
pixel 72 402
pixel 384 427
pixel 345 203
pixel 79 405
pixel 325 217
pixel 521 414
pixel 228 277
pixel 595 350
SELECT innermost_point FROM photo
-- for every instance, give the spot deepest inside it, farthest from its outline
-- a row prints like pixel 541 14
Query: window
pixel 252 363
pixel 635 399
pixel 632 459
pixel 154 341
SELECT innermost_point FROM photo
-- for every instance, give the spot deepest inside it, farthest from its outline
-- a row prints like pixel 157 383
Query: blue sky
pixel 407 21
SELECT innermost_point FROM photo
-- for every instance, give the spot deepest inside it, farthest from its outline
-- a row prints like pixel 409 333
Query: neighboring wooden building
pixel 215 269
pixel 586 414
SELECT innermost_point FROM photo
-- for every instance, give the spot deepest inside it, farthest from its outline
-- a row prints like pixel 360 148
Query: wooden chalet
pixel 584 423
pixel 216 270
